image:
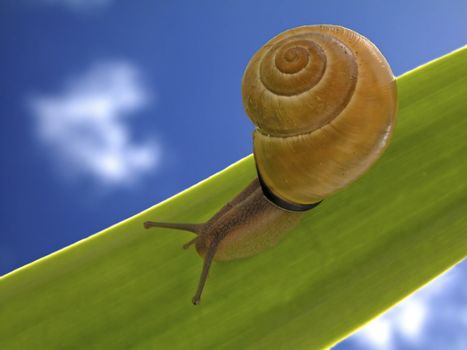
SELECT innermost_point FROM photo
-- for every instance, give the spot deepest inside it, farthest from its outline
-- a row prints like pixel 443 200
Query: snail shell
pixel 324 101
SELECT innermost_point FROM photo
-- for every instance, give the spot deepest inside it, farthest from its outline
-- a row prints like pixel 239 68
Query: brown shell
pixel 324 101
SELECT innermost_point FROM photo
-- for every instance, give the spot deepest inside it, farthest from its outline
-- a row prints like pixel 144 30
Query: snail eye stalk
pixel 195 228
pixel 211 252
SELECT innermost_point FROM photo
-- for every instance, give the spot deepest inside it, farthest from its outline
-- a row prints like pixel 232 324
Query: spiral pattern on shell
pixel 324 101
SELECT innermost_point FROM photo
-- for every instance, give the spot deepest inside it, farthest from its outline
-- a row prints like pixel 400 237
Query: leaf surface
pixel 354 256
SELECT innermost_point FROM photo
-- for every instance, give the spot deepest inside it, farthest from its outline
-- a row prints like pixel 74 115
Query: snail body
pixel 324 100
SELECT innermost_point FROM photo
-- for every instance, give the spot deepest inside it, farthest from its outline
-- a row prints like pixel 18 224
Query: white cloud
pixel 81 4
pixel 84 125
pixel 377 333
pixel 406 320
pixel 417 321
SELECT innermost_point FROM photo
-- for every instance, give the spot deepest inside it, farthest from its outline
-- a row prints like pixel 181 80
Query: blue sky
pixel 110 106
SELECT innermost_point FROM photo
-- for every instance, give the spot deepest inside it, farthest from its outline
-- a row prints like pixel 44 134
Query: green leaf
pixel 353 257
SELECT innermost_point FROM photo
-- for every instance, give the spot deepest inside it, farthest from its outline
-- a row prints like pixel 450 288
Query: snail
pixel 324 102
